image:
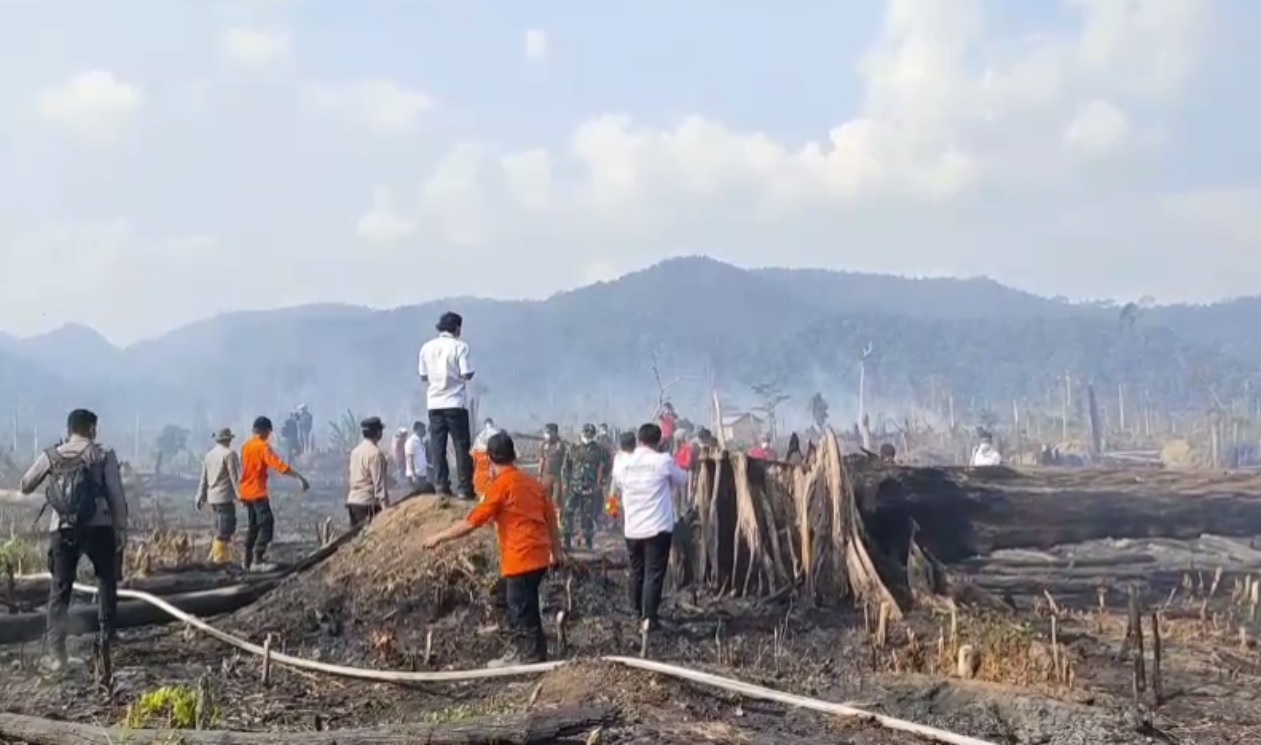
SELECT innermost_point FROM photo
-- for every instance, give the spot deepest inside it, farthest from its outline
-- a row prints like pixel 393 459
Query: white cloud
pixel 536 44
pixel 382 223
pixel 963 141
pixel 1098 128
pixel 384 107
pixel 1232 213
pixel 254 48
pixel 93 105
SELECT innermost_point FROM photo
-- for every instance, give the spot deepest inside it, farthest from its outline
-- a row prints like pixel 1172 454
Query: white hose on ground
pixel 674 671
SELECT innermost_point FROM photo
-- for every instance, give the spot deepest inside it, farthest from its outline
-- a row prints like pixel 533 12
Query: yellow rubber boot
pixel 220 552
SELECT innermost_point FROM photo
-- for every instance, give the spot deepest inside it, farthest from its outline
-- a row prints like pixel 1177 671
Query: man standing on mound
pixel 257 460
pixel 529 543
pixel 445 367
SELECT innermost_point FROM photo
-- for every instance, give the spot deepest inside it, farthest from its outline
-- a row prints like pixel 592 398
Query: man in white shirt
pixel 416 457
pixel 446 368
pixel 646 480
pixel 986 454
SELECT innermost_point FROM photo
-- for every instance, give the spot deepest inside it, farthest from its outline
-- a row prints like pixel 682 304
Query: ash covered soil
pixel 382 601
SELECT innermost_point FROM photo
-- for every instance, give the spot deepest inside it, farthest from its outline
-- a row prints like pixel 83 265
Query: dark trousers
pixel 580 510
pixel 259 531
pixel 519 599
pixel 649 560
pixel 65 548
pixel 225 521
pixel 362 513
pixel 453 423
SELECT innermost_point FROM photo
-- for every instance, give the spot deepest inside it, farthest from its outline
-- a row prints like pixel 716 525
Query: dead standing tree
pixel 664 383
pixel 771 397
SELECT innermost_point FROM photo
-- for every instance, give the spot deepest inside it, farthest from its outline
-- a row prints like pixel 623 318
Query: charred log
pixel 522 729
pixel 963 512
pixel 19 628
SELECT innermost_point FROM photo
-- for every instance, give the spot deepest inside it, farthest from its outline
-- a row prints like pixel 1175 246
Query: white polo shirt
pixel 444 362
pixel 647 480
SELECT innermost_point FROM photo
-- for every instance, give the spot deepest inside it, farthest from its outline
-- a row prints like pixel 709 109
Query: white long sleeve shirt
pixel 415 456
pixel 646 480
pixel 986 455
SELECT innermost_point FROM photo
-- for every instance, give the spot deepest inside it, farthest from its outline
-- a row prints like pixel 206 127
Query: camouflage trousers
pixel 580 509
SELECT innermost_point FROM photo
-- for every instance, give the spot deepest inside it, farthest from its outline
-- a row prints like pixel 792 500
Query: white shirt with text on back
pixel 647 480
pixel 444 362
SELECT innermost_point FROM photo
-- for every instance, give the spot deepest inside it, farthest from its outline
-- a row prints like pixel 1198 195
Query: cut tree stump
pixel 519 729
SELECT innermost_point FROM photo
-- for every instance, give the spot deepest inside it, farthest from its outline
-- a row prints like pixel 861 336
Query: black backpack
pixel 74 484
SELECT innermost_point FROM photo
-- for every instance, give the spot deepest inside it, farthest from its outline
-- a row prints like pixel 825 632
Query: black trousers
pixel 519 599
pixel 259 531
pixel 225 521
pixel 362 513
pixel 453 423
pixel 649 560
pixel 65 548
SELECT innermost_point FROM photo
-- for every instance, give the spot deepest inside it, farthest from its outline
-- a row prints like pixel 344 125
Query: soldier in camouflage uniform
pixel 586 469
pixel 552 462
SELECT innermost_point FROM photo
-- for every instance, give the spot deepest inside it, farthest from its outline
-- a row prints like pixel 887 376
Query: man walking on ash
pixel 257 461
pixel 220 474
pixel 646 480
pixel 586 472
pixel 529 543
pixel 84 488
pixel 445 367
pixel 552 457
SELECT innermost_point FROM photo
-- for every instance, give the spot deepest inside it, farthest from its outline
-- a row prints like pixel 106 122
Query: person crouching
pixel 369 474
pixel 529 543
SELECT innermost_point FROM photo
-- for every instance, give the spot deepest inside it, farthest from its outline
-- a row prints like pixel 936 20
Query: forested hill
pixel 590 352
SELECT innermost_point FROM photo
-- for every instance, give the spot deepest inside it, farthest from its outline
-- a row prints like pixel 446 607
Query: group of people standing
pixel 84 487
pixel 530 543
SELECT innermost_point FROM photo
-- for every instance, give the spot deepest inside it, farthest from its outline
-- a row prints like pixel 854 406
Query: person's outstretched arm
pixel 278 464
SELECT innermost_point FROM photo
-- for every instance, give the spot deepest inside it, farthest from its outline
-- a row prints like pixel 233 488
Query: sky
pixel 162 161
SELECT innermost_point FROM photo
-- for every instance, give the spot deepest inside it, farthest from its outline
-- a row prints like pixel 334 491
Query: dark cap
pixel 372 424
pixel 588 430
pixel 450 322
pixel 551 427
pixel 501 450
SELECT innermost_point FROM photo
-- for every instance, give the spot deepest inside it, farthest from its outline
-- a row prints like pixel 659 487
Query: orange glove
pixel 613 506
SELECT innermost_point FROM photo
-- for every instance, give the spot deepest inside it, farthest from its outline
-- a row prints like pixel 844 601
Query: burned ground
pixel 380 600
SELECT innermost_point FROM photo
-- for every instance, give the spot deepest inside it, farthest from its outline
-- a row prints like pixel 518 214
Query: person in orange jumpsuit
pixel 257 461
pixel 529 544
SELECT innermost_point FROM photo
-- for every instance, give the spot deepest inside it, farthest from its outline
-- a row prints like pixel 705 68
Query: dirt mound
pixel 383 599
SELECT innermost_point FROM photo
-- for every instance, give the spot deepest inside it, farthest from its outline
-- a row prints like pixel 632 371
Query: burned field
pixel 840 582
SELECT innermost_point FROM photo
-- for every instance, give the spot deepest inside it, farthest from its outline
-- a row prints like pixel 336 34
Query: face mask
pixel 586 439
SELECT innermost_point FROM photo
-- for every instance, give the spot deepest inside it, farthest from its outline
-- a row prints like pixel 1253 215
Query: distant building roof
pixel 731 419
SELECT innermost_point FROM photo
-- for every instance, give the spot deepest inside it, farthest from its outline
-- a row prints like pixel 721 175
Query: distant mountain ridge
pixel 588 352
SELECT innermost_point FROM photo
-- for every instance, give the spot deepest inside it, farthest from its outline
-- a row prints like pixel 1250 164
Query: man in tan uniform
pixel 369 474
pixel 220 474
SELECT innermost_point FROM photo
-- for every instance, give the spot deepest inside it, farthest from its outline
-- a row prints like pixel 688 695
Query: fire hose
pixel 695 676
